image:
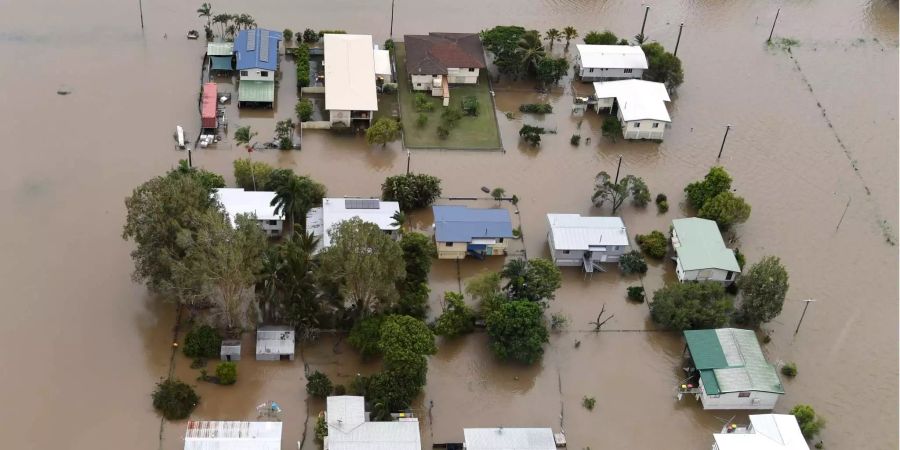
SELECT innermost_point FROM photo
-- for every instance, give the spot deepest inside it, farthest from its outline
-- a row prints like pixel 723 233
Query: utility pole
pixel 808 301
pixel 646 11
pixel 141 9
pixel 727 127
pixel 408 156
pixel 773 25
pixel 617 170
pixel 849 199
pixel 191 165
pixel 680 27
pixel 392 19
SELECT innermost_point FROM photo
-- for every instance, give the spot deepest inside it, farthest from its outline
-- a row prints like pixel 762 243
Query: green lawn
pixel 479 132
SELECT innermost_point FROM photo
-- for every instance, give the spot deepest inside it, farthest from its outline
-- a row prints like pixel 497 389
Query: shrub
pixel 531 135
pixel 321 427
pixel 288 35
pixel 714 183
pixel 661 198
pixel 421 120
pixel 632 262
pixel 202 342
pixel 226 372
pixel 310 36
pixel 789 370
pixel 443 132
pixel 324 32
pixel 174 399
pixel 810 424
pixel 588 403
pixel 319 385
pixel 389 45
pixel 301 57
pixel 726 209
pixel 413 191
pixel 558 321
pixel 741 259
pixel 611 127
pixel 687 306
pixel 304 110
pixel 340 389
pixel 536 108
pixel 422 103
pixel 450 117
pixel 575 140
pixel 470 105
pixel 654 244
pixel 604 38
pixel 662 203
pixel 517 232
pixel 364 336
pixel 636 293
pixel 457 319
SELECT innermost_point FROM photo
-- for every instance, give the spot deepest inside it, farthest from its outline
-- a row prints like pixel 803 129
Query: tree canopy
pixel 412 191
pixel 686 306
pixel 662 66
pixel 288 288
pixel 295 195
pixel 654 244
pixel 252 175
pixel 174 399
pixel 606 189
pixel 632 262
pixel 763 289
pixel 810 423
pixel 714 183
pixel 534 280
pixel 517 331
pixel 485 289
pixel 365 336
pixel 418 253
pixel 502 42
pixel 597 38
pixel 401 334
pixel 457 318
pixel 726 209
pixel 384 130
pixel 551 70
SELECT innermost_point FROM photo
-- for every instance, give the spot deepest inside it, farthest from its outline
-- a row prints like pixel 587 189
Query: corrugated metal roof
pixel 349 430
pixel 238 201
pixel 462 224
pixel 382 61
pixel 208 105
pixel 336 210
pixel 700 246
pixel 220 48
pixel 612 56
pixel 350 73
pixel 637 99
pixel 248 49
pixel 221 62
pixel 769 432
pixel 705 349
pixel 731 360
pixel 277 340
pixel 227 435
pixel 434 53
pixel 256 91
pixel 509 439
pixel 575 232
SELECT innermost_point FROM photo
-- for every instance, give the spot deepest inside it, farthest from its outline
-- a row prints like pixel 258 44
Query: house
pixel 437 60
pixel 350 89
pixel 257 203
pixel 609 62
pixel 227 435
pixel 640 106
pixel 321 220
pixel 764 432
pixel 256 59
pixel 586 242
pixel 209 100
pixel 274 343
pixel 383 72
pixel 509 439
pixel 349 428
pixel 230 350
pixel 480 232
pixel 728 370
pixel 221 56
pixel 701 254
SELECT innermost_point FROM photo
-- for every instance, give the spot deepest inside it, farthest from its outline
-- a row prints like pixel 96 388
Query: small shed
pixel 220 55
pixel 275 342
pixel 230 350
pixel 208 102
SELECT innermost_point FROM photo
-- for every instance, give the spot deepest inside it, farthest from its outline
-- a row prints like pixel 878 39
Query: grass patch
pixel 478 132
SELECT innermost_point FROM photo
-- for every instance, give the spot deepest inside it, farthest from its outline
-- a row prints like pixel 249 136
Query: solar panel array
pixel 361 203
pixel 264 45
pixel 251 40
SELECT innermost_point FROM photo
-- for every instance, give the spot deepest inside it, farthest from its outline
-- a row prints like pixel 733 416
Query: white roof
pixel 769 432
pixel 575 232
pixel 349 430
pixel 238 201
pixel 336 210
pixel 278 340
pixel 612 56
pixel 222 435
pixel 638 99
pixel 382 61
pixel 349 73
pixel 509 439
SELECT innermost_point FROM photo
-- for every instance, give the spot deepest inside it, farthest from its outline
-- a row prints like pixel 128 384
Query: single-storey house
pixel 209 101
pixel 221 56
pixel 228 435
pixel 509 439
pixel 640 106
pixel 480 232
pixel 764 432
pixel 349 427
pixel 256 59
pixel 321 220
pixel 729 371
pixel 350 90
pixel 257 203
pixel 586 242
pixel 437 60
pixel 274 343
pixel 609 62
pixel 383 72
pixel 700 252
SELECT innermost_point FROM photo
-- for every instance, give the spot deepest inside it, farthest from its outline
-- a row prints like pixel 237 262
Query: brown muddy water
pixel 812 129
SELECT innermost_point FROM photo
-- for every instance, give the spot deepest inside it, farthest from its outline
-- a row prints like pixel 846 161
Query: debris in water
pixel 64 90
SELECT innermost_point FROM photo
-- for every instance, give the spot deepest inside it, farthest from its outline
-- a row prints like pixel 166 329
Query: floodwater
pixel 813 129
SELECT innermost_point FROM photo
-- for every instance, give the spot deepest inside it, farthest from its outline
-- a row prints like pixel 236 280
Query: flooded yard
pixel 813 128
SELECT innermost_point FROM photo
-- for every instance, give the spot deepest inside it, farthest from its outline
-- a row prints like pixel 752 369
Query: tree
pixel 569 33
pixel 364 265
pixel 498 194
pixel 605 189
pixel 401 334
pixel 662 66
pixel 284 132
pixel 252 175
pixel 551 70
pixel 226 372
pixel 726 209
pixel 418 252
pixel 687 306
pixel 597 38
pixel 222 20
pixel 457 318
pixel 310 36
pixel 422 103
pixel 654 244
pixel 535 280
pixel 552 35
pixel 205 10
pixel 714 183
pixel 639 39
pixel 412 191
pixel 304 110
pixel 485 289
pixel 502 42
pixel 763 289
pixel 295 196
pixel 810 423
pixel 530 50
pixel 366 335
pixel 210 180
pixel 517 331
pixel 531 135
pixel 244 135
pixel 611 127
pixel 174 399
pixel 384 130
pixel 202 342
pixel 632 262
pixel 470 105
pixel 319 385
pixel 288 288
pixel 288 35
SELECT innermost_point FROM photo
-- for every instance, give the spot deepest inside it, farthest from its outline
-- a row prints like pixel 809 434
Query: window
pixel 264 73
pixel 273 222
pixel 501 240
pixel 729 276
pixel 601 249
pixel 471 69
pixel 244 73
pixel 591 70
pixel 615 247
pixel 655 124
pixel 627 70
pixel 565 252
pixel 449 244
pixel 743 394
pixel 637 124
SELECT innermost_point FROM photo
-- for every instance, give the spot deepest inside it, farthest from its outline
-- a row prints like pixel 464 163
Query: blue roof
pixel 462 224
pixel 257 49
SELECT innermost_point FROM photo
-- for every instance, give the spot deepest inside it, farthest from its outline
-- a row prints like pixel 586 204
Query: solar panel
pixel 361 203
pixel 264 45
pixel 251 40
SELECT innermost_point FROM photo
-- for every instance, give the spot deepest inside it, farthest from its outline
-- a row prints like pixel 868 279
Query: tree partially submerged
pixel 384 130
pixel 457 318
pixel 726 209
pixel 597 38
pixel 174 399
pixel 412 191
pixel 418 253
pixel 654 244
pixel 535 280
pixel 687 306
pixel 763 289
pixel 714 183
pixel 810 422
pixel 662 66
pixel 607 190
pixel 517 331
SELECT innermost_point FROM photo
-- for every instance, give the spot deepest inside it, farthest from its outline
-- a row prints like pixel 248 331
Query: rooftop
pixel 348 428
pixel 767 432
pixel 462 224
pixel 612 56
pixel 699 246
pixel 730 360
pixel 509 439
pixel 238 201
pixel 257 48
pixel 382 61
pixel 638 99
pixel 275 339
pixel 220 48
pixel 576 232
pixel 350 73
pixel 222 435
pixel 333 211
pixel 434 53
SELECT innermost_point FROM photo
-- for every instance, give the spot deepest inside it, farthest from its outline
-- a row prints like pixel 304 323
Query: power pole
pixel 849 199
pixel 680 27
pixel 408 156
pixel 727 127
pixel 773 25
pixel 392 19
pixel 141 9
pixel 646 11
pixel 617 170
pixel 808 301
pixel 191 164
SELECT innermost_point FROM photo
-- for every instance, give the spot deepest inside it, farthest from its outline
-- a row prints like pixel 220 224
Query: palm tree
pixel 205 10
pixel 569 33
pixel 289 199
pixel 222 20
pixel 530 49
pixel 552 35
pixel 244 135
pixel 498 194
pixel 640 39
pixel 399 219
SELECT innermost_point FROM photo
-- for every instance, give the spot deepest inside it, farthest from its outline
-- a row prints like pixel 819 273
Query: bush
pixel 714 183
pixel 789 370
pixel 457 319
pixel 324 32
pixel 531 135
pixel 246 171
pixel 288 35
pixel 558 321
pixel 662 203
pixel 301 57
pixel 413 191
pixel 688 306
pixel 226 372
pixel 810 424
pixel 661 198
pixel 588 403
pixel 741 259
pixel 304 110
pixel 364 336
pixel 202 342
pixel 451 116
pixel 470 105
pixel 422 103
pixel 536 108
pixel 575 140
pixel 726 209
pixel 174 399
pixel 421 120
pixel 654 244
pixel 389 45
pixel 310 36
pixel 340 389
pixel 443 132
pixel 318 385
pixel 611 127
pixel 604 38
pixel 632 262
pixel 321 427
pixel 636 293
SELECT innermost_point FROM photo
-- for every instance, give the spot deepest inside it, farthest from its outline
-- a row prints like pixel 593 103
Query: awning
pixel 208 105
pixel 256 91
pixel 221 62
pixel 220 48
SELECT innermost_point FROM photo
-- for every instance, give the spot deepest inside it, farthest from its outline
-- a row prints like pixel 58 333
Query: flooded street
pixel 812 129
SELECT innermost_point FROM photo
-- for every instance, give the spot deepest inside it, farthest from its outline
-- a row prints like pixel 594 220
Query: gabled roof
pixel 612 56
pixel 462 224
pixel 238 201
pixel 769 432
pixel 350 73
pixel 277 339
pixel 336 210
pixel 638 99
pixel 575 232
pixel 700 246
pixel 434 53
pixel 227 435
pixel 730 360
pixel 509 439
pixel 257 48
pixel 382 61
pixel 220 48
pixel 349 430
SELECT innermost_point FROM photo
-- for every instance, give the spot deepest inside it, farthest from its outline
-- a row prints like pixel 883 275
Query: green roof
pixel 256 91
pixel 221 62
pixel 220 48
pixel 731 360
pixel 700 246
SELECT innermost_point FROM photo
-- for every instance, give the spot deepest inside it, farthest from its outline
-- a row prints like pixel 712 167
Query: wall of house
pixel 272 227
pixel 257 75
pixel 733 400
pixel 424 82
pixel 598 74
pixel 610 254
pixel 642 129
pixel 456 250
pixel 705 275
pixel 462 76
pixel 388 78
pixel 339 115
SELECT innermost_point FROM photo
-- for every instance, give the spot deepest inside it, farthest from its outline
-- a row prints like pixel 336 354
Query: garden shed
pixel 230 350
pixel 275 342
